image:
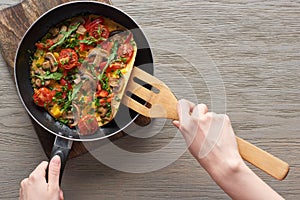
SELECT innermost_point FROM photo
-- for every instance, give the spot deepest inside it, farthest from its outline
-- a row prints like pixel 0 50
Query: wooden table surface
pixel 252 47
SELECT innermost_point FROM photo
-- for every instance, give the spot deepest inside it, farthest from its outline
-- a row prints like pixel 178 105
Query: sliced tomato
pixel 95 22
pixel 63 81
pixel 88 125
pixel 128 39
pixel 113 67
pixel 116 66
pixel 64 95
pixel 106 45
pixel 102 65
pixel 65 72
pixel 125 51
pixel 87 20
pixel 68 58
pixel 70 87
pixel 98 30
pixel 99 88
pixel 83 46
pixel 103 93
pixel 43 97
pixel 47 45
pixel 108 100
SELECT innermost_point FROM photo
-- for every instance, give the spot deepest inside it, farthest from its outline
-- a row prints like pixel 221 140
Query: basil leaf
pixel 55 76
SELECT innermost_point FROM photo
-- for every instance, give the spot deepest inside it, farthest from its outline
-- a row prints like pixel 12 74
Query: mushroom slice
pixel 81 30
pixel 54 65
pixel 77 20
pixel 54 31
pixel 76 115
pixel 102 111
pixel 77 80
pixel 39 71
pixel 96 56
pixel 60 35
pixel 38 82
pixel 89 83
pixel 46 65
pixel 117 84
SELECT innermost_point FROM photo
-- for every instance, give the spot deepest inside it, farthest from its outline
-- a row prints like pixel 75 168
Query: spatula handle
pixel 262 159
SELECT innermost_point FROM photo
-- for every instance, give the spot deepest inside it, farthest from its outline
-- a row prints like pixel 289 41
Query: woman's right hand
pixel 211 140
pixel 209 136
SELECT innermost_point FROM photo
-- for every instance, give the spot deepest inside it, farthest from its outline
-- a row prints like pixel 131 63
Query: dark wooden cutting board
pixel 14 22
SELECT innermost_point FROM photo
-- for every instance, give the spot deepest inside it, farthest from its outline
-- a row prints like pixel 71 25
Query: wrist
pixel 220 168
pixel 237 179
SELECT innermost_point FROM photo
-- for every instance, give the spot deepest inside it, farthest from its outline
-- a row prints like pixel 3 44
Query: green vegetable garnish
pixel 111 57
pixel 66 35
pixel 55 76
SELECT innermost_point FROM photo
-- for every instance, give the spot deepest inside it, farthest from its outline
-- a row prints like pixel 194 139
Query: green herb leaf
pixel 97 102
pixel 55 76
pixel 71 96
pixel 76 90
pixel 91 40
pixel 110 59
pixel 66 35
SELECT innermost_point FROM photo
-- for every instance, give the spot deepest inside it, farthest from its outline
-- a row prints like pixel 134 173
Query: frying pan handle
pixel 61 147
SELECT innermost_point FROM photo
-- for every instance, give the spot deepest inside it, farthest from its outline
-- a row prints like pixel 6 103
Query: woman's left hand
pixel 35 187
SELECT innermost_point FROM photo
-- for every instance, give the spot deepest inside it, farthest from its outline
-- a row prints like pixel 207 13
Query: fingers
pixel 24 182
pixel 199 110
pixel 184 108
pixel 176 123
pixel 39 172
pixel 54 170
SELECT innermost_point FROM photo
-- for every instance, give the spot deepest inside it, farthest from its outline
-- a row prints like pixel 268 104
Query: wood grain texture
pixel 256 48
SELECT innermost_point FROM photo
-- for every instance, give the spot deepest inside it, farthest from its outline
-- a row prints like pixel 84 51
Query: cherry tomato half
pixel 68 58
pixel 47 45
pixel 83 46
pixel 43 97
pixel 97 21
pixel 98 30
pixel 88 125
pixel 106 45
pixel 125 51
pixel 114 66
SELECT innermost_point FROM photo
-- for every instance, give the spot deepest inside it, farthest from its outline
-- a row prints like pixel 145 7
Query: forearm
pixel 240 182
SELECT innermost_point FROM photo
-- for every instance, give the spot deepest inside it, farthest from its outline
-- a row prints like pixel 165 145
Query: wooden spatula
pixel 164 105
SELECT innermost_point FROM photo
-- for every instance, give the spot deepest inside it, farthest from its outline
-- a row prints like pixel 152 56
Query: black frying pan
pixel 64 134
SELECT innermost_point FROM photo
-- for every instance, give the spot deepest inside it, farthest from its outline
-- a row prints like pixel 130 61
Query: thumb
pixel 176 123
pixel 54 170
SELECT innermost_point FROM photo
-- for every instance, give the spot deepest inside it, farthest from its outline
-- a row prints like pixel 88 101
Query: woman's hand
pixel 211 140
pixel 35 186
pixel 209 136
